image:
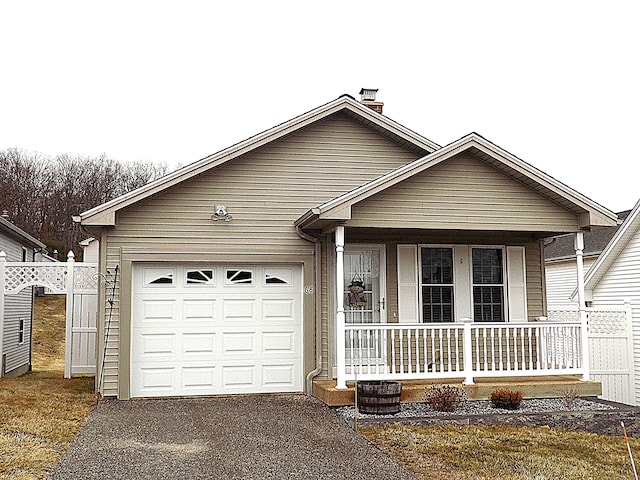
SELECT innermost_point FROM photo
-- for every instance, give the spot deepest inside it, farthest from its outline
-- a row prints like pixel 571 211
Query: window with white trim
pixel 488 284
pixel 448 283
pixel 437 284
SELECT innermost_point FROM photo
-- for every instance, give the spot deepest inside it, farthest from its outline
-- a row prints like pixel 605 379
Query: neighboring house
pixel 235 273
pixel 614 279
pixel 89 250
pixel 17 315
pixel 560 263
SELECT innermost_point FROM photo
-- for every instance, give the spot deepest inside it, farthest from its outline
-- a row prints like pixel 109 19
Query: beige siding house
pixel 16 311
pixel 339 243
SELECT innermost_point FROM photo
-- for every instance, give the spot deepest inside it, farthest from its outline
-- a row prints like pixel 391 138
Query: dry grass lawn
pixel 503 452
pixel 41 412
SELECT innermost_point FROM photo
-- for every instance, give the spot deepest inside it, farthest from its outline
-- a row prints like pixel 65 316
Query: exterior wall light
pixel 221 214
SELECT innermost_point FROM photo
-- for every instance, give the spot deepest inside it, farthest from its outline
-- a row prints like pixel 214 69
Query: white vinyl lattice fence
pixel 79 282
pixel 610 348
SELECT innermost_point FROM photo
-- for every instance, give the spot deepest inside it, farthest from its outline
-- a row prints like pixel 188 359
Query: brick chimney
pixel 368 98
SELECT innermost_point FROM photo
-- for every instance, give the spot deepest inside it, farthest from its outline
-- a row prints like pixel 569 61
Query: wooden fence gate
pixel 79 282
pixel 610 349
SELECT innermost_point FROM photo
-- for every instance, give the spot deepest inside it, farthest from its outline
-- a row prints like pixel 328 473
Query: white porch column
pixel 68 336
pixel 341 381
pixel 584 334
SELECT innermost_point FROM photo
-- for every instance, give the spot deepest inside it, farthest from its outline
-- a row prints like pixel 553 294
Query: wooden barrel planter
pixel 379 397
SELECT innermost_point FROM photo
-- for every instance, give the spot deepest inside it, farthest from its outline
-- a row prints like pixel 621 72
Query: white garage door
pixel 216 329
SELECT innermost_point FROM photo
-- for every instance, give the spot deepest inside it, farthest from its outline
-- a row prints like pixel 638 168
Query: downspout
pixel 318 305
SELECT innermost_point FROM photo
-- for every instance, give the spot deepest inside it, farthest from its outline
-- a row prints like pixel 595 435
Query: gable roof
pixel 595 241
pixel 590 213
pixel 15 232
pixel 617 244
pixel 105 214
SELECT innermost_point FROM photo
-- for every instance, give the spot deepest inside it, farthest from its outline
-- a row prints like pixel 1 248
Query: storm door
pixel 364 303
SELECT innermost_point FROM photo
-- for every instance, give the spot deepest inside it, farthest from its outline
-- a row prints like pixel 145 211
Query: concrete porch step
pixel 413 390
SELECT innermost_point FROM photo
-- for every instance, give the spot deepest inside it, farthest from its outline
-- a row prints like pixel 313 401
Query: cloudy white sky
pixel 556 83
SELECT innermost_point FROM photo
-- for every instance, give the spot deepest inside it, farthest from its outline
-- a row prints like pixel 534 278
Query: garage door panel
pixel 279 342
pixel 279 311
pixel 239 310
pixel 279 375
pixel 158 311
pixel 156 380
pixel 198 379
pixel 239 343
pixel 157 345
pixel 199 310
pixel 197 344
pixel 213 334
pixel 239 376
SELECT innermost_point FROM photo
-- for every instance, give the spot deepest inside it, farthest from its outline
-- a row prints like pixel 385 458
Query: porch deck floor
pixel 412 390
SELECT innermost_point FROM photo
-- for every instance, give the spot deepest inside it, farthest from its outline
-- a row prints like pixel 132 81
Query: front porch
pixel 555 386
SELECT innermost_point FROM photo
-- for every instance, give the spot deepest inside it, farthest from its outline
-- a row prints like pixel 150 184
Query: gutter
pixel 318 307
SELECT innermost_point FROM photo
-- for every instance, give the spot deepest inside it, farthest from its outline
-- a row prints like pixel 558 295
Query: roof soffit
pixel 105 214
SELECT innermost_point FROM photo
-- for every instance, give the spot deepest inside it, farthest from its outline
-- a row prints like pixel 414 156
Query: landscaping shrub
pixel 507 399
pixel 569 396
pixel 444 398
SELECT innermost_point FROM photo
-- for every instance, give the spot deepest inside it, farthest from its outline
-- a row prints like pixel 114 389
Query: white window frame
pixel 420 284
pixel 505 279
pixel 229 283
pixel 173 273
pixel 188 268
pixel 463 306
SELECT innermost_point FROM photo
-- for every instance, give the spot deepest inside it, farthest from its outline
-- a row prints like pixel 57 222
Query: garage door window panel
pixel 278 276
pixel 159 277
pixel 235 276
pixel 200 276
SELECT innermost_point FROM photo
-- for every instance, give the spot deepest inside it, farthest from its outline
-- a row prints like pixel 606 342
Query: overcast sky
pixel 556 83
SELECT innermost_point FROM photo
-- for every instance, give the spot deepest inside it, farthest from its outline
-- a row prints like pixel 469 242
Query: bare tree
pixel 42 193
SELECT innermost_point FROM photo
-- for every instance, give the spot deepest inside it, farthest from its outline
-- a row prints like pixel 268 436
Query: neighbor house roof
pixel 617 244
pixel 105 214
pixel 595 241
pixel 19 234
pixel 589 212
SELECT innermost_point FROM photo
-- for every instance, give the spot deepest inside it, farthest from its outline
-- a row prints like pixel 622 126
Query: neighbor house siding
pixel 562 280
pixel 462 192
pixel 17 307
pixel 622 282
pixel 265 191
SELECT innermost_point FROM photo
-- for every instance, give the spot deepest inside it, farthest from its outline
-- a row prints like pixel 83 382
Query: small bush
pixel 569 396
pixel 444 398
pixel 507 399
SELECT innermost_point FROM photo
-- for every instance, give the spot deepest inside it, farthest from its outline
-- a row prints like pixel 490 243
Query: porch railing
pixel 468 350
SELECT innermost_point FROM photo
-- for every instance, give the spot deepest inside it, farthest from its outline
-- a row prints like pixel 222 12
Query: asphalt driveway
pixel 239 437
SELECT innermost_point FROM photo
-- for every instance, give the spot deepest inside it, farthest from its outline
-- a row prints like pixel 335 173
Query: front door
pixel 364 301
pixel 364 284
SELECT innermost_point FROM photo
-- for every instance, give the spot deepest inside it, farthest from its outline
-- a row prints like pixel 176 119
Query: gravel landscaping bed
pixel 591 415
pixel 484 407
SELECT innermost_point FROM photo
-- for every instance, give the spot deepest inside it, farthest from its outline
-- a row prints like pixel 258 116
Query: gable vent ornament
pixel 221 214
